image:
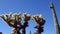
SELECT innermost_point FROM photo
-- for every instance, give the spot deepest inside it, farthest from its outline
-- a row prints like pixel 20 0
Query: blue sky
pixel 32 7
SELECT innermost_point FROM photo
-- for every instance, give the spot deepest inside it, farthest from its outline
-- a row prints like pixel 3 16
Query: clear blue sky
pixel 32 7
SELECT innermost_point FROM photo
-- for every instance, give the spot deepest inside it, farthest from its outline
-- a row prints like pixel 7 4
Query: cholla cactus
pixel 26 17
pixel 15 22
pixel 38 19
pixel 17 17
pixel 40 22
